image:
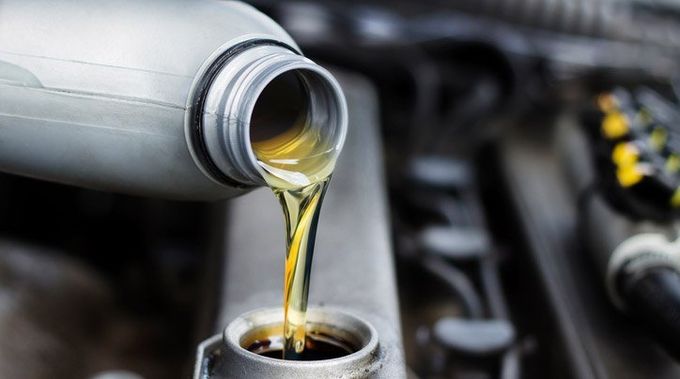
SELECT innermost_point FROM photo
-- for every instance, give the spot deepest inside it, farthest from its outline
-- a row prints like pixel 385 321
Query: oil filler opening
pixel 333 336
pixel 321 342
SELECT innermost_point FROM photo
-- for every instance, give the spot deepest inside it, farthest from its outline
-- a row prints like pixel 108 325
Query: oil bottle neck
pixel 237 87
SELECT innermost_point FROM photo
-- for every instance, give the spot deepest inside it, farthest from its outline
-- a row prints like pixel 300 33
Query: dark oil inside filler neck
pixel 297 160
pixel 318 346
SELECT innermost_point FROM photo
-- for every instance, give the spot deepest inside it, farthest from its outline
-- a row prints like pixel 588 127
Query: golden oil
pixel 297 162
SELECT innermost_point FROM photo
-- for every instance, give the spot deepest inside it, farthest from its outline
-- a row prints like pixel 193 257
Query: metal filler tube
pixel 150 97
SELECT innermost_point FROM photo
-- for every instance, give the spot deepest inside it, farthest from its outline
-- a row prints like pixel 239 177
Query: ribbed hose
pixel 598 18
pixel 609 19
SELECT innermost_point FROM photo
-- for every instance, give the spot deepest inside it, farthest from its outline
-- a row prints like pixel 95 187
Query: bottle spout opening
pixel 297 128
pixel 271 115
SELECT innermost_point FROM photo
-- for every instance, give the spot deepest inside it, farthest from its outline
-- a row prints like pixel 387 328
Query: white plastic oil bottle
pixel 155 97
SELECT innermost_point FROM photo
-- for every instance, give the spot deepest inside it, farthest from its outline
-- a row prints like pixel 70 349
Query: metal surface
pixel 240 363
pixel 353 265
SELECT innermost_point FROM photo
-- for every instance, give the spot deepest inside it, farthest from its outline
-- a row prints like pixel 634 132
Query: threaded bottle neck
pixel 284 87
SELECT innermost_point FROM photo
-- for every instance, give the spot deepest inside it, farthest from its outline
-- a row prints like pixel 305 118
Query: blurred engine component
pixel 630 210
pixel 533 172
pixel 637 147
pixel 472 90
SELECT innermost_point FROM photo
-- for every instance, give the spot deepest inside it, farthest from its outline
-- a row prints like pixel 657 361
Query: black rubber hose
pixel 653 295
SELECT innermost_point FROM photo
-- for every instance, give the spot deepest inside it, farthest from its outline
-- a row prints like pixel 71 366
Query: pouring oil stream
pixel 297 162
